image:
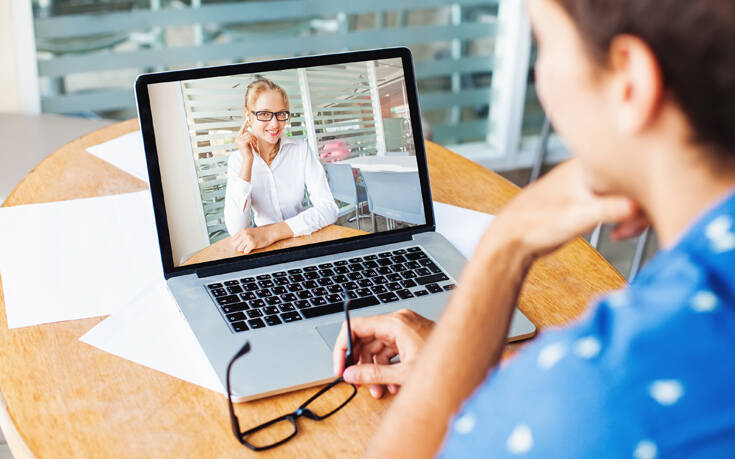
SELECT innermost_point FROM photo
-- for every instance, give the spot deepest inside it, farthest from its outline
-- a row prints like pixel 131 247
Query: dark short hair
pixel 694 43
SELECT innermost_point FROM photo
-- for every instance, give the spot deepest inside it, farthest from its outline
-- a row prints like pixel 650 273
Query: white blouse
pixel 276 193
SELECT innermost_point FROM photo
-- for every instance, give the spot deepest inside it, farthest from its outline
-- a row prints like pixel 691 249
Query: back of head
pixel 260 85
pixel 694 43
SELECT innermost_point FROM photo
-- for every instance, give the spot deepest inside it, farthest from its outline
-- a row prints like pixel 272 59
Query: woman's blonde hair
pixel 258 86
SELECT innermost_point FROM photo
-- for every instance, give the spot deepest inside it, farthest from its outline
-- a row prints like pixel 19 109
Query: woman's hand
pixel 247 144
pixel 376 340
pixel 559 207
pixel 249 239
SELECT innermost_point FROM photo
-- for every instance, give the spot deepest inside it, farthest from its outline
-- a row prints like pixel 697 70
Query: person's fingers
pixel 372 373
pixel 631 227
pixel 383 327
pixel 393 389
pixel 382 358
pixel 369 350
pixel 244 127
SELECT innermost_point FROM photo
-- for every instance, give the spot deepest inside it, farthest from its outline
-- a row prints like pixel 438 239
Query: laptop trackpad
pixel 329 333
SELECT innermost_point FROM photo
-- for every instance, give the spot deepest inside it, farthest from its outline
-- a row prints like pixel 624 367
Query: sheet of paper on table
pixel 125 152
pixel 76 259
pixel 153 332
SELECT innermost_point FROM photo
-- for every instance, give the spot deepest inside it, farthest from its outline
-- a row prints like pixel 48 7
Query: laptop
pixel 356 116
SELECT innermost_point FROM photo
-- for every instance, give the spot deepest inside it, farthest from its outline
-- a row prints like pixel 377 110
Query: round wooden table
pixel 66 398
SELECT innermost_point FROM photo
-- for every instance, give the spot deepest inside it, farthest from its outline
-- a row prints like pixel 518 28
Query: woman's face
pixel 268 131
pixel 574 95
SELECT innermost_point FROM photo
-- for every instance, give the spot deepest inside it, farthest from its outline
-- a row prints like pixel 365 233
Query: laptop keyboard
pixel 269 300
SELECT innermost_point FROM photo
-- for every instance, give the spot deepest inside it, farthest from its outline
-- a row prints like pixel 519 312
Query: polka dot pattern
pixel 465 424
pixel 666 391
pixel 588 347
pixel 720 234
pixel 551 354
pixel 704 301
pixel 520 440
pixel 645 449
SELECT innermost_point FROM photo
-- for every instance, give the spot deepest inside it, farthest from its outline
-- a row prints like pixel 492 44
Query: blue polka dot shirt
pixel 649 373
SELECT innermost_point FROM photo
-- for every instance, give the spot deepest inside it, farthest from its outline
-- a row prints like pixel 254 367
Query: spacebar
pixel 331 308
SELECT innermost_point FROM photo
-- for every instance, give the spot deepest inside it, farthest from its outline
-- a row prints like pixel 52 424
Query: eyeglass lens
pixel 264 115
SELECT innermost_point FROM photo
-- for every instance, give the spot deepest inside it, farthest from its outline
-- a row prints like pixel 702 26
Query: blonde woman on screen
pixel 268 175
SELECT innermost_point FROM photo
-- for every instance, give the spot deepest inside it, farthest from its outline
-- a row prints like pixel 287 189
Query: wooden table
pixel 67 398
pixel 224 249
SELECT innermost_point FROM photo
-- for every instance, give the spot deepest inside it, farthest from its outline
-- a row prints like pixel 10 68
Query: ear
pixel 637 84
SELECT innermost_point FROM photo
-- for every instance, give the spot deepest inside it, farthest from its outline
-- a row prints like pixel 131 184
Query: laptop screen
pixel 263 161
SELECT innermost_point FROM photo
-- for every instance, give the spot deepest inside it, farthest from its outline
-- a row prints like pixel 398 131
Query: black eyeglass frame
pixel 303 409
pixel 270 115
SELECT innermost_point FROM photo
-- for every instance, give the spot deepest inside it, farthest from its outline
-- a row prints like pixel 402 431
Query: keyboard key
pixel 214 286
pixel 288 297
pixel 266 283
pixel 350 285
pixel 385 261
pixel 259 303
pixel 273 300
pixel 423 272
pixel 371 264
pixel 341 270
pixel 321 291
pixel 409 274
pixel 449 287
pixel 408 283
pixel 340 263
pixel 365 283
pixel 291 316
pixel 247 296
pixel 426 262
pixel 388 297
pixel 404 294
pixel 335 289
pixel 295 271
pixel 309 269
pixel 253 313
pixel 236 317
pixel 318 301
pixel 398 259
pixel 286 307
pixel 354 267
pixel 434 268
pixel 273 320
pixel 413 249
pixel 338 307
pixel 434 288
pixel 234 289
pixel 420 292
pixel 416 256
pixel 312 275
pixel 304 294
pixel 263 293
pixel 399 252
pixel 394 277
pixel 393 286
pixel 295 287
pixel 325 265
pixel 364 292
pixel 384 270
pixel 282 281
pixel 247 280
pixel 326 273
pixel 263 277
pixel 234 308
pixel 379 289
pixel 355 276
pixel 301 304
pixel 384 254
pixel 380 280
pixel 398 267
pixel 370 273
pixel 370 257
pixel 256 323
pixel 270 310
pixel 219 292
pixel 230 283
pixel 431 279
pixel 296 278
pixel 324 281
pixel 310 284
pixel 340 279
pixel 251 287
pixel 355 260
pixel 231 299
pixel 412 265
pixel 239 326
pixel 279 290
pixel 280 274
pixel 334 298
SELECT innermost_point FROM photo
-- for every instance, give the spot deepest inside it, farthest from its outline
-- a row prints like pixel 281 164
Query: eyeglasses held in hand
pixel 330 399
pixel 264 115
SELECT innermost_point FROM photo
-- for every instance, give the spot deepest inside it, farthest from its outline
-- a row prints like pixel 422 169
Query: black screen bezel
pixel 293 253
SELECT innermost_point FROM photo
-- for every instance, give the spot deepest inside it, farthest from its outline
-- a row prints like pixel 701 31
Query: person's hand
pixel 559 207
pixel 376 340
pixel 246 143
pixel 249 239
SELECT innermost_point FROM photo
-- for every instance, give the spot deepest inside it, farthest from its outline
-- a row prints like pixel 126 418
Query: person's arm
pixel 239 186
pixel 324 210
pixel 466 343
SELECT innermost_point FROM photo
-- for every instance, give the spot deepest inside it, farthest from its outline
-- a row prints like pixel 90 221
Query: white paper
pixel 125 152
pixel 152 331
pixel 462 227
pixel 76 259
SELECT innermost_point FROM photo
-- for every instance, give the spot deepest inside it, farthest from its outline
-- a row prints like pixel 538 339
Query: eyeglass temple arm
pixel 233 419
pixel 349 356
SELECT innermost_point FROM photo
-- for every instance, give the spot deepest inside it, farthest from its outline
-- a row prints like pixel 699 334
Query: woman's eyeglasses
pixel 330 399
pixel 264 115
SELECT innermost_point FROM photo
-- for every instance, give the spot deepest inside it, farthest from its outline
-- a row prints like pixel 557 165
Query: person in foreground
pixel 643 92
pixel 268 174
